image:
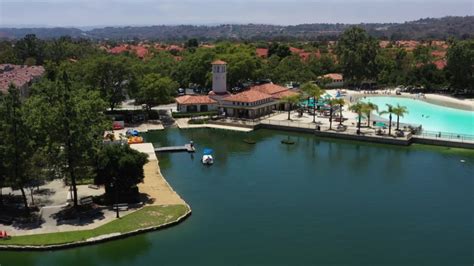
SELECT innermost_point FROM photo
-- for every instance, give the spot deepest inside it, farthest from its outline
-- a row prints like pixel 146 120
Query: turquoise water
pixel 432 117
pixel 315 202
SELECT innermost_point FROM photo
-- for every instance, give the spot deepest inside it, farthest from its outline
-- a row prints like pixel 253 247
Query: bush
pixel 183 115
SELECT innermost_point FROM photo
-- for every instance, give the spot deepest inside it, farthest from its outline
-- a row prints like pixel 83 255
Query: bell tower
pixel 219 77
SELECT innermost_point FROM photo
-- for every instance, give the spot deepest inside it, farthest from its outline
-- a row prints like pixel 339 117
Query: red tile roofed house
pixel 334 80
pixel 248 104
pixel 174 48
pixel 20 76
pixel 440 64
pixel 262 52
pixel 196 103
pixel 295 50
pixel 140 51
pixel 438 54
pixel 119 49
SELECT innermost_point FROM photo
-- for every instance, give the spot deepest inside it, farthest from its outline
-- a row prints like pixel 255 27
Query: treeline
pixel 154 80
pixel 423 29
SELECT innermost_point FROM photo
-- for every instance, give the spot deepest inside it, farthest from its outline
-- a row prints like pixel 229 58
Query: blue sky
pixel 282 12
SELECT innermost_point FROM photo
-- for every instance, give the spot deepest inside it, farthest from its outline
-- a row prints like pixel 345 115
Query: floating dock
pixel 186 147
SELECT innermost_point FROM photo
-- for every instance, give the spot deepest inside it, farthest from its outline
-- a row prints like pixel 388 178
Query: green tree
pixel 357 53
pixel 68 120
pixel 155 90
pixel 399 111
pixel 389 111
pixel 359 109
pixel 112 76
pixel 30 47
pixel 16 147
pixel 290 101
pixel 460 65
pixel 280 50
pixel 422 54
pixel 120 168
pixel 340 102
pixel 313 91
pixel 368 109
pixel 192 43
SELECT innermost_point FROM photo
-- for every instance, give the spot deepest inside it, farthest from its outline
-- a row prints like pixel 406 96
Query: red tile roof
pixel 194 99
pixel 140 51
pixel 269 88
pixel 282 94
pixel 296 50
pixel 440 64
pixel 219 62
pixel 118 49
pixel 262 52
pixel 438 53
pixel 248 96
pixel 18 75
pixel 333 76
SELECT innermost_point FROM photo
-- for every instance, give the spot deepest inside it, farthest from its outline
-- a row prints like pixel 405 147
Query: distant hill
pixel 429 28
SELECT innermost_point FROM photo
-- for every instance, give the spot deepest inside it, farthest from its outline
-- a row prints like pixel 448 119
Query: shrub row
pixel 183 115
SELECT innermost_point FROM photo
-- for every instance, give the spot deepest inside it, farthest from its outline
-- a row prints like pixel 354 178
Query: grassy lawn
pixel 146 217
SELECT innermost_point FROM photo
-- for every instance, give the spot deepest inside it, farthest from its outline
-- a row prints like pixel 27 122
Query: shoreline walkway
pixel 154 184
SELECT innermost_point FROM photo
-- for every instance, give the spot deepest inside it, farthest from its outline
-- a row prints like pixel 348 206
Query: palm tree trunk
pixel 340 114
pixel 368 120
pixel 289 111
pixel 360 121
pixel 314 111
pixel 398 122
pixel 330 118
pixel 390 124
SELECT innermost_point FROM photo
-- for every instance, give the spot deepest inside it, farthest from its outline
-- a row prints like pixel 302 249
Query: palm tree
pixel 399 111
pixel 332 103
pixel 341 103
pixel 369 108
pixel 314 91
pixel 389 111
pixel 359 109
pixel 291 100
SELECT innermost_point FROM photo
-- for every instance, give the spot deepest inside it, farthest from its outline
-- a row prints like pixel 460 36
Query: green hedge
pixel 183 115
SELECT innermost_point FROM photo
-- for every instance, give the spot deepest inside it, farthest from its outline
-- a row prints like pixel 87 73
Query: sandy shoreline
pixel 443 100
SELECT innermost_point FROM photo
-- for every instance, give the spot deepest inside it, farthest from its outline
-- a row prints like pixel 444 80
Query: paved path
pixel 182 123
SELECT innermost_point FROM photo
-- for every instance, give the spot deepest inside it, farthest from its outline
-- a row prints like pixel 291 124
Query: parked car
pixel 181 91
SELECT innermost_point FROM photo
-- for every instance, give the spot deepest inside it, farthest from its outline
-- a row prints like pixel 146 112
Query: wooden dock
pixel 186 148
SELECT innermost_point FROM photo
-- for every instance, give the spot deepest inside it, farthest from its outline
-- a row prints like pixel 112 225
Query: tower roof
pixel 219 62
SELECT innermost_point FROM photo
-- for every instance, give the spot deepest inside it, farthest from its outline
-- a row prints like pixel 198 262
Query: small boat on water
pixel 207 158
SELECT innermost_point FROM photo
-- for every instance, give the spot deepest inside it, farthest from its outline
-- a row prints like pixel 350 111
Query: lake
pixel 318 201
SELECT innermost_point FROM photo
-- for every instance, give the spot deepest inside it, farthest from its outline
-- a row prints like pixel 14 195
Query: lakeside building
pixel 252 103
pixel 334 80
pixel 21 76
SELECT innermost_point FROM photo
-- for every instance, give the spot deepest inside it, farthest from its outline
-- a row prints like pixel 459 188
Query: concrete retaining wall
pixel 392 141
pixel 443 142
